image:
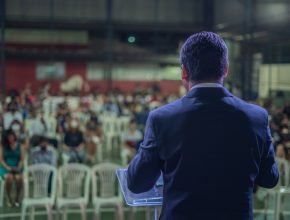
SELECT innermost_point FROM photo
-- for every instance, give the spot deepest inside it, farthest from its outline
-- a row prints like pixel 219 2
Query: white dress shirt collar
pixel 206 85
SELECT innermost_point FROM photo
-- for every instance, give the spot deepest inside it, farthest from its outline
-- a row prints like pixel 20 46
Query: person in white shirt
pixel 12 116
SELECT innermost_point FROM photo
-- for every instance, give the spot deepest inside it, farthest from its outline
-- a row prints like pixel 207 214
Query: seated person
pixel 93 140
pixel 11 160
pixel 73 143
pixel 41 125
pixel 12 115
pixel 131 139
pixel 44 153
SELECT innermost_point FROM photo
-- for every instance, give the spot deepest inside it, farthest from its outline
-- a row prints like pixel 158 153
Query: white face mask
pixel 74 124
pixel 15 127
pixel 95 140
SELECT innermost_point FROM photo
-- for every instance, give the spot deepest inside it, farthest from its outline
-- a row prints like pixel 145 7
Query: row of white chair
pixel 281 189
pixel 69 186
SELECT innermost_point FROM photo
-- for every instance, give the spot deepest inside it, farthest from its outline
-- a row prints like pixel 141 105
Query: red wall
pixel 20 72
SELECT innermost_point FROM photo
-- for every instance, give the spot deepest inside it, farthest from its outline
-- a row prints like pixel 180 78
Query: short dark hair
pixel 204 56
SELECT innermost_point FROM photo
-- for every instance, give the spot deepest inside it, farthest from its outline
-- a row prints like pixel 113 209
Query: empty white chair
pixel 111 133
pixel 105 189
pixel 2 182
pixel 39 188
pixel 73 186
pixel 123 123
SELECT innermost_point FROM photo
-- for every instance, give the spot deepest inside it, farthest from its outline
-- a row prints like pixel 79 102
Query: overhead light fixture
pixel 131 39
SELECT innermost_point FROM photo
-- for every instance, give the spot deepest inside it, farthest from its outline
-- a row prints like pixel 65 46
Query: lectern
pixel 153 197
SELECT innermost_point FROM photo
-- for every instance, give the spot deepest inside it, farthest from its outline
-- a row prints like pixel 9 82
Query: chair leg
pixel 120 213
pixel 109 147
pixel 132 211
pixel 1 192
pixel 49 212
pixel 23 212
pixel 147 213
pixel 64 214
pixel 32 213
pixel 278 206
pixel 83 211
pixel 97 212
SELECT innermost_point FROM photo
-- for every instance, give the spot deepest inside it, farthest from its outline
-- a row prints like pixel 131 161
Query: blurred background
pixel 78 78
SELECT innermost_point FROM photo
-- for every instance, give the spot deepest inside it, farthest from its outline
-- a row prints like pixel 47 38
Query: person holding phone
pixel 11 161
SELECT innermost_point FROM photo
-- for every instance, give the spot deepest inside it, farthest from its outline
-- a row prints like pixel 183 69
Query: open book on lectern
pixel 153 197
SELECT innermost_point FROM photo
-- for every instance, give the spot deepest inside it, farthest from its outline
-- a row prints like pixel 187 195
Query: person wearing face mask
pixel 41 125
pixel 18 128
pixel 44 153
pixel 73 143
pixel 38 125
pixel 12 116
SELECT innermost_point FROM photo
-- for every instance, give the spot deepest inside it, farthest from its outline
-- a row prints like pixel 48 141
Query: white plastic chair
pixel 111 132
pixel 275 194
pixel 282 187
pixel 74 182
pixel 123 123
pixel 105 189
pixel 2 183
pixel 41 175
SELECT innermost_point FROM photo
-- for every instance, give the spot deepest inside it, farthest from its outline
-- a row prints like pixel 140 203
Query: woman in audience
pixel 11 160
pixel 93 139
pixel 131 139
pixel 73 143
pixel 281 152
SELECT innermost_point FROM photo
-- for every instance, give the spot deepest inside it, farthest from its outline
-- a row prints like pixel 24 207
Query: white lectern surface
pixel 153 197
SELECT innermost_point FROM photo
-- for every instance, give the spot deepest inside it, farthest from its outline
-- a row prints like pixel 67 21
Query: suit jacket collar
pixel 208 93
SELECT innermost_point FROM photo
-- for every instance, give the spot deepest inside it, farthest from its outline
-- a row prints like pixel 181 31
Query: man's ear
pixel 226 71
pixel 184 73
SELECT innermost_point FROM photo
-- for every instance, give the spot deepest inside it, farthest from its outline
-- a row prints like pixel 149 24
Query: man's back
pixel 210 147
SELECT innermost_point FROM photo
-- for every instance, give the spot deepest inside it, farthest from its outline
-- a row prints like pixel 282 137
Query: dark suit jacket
pixel 211 148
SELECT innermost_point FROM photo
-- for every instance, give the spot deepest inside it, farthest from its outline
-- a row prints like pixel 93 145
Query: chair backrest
pixel 283 167
pixel 43 181
pixel 74 181
pixel 110 124
pixel 104 180
pixel 123 123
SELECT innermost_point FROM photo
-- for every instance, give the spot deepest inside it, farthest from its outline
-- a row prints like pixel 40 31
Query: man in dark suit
pixel 210 146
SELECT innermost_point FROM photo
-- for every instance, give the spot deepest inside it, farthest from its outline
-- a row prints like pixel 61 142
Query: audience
pixel 34 125
pixel 11 159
